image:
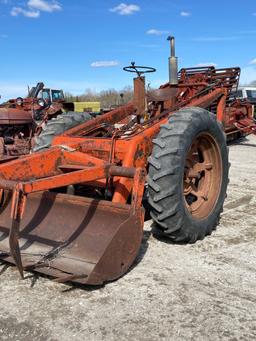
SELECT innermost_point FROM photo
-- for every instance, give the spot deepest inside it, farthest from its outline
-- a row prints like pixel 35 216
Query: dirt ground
pixel 204 291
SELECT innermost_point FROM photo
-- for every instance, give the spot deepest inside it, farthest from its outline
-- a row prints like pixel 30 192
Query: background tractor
pixel 22 119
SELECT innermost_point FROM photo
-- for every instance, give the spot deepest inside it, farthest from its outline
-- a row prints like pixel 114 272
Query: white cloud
pixel 35 7
pixel 155 32
pixel 253 62
pixel 248 75
pixel 107 63
pixel 30 13
pixel 44 6
pixel 124 9
pixel 185 14
pixel 206 64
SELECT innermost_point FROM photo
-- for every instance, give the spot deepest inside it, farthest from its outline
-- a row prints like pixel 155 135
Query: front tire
pixel 58 126
pixel 188 175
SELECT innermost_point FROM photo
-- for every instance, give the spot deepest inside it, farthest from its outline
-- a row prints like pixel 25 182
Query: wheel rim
pixel 202 176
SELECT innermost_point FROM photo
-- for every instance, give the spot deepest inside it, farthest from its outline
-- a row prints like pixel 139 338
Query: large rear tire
pixel 58 126
pixel 188 175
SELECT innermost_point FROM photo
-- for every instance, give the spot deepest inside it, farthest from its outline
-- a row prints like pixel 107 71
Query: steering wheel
pixel 140 70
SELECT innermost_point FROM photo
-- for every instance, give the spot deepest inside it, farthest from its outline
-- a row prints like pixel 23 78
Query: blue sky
pixel 78 44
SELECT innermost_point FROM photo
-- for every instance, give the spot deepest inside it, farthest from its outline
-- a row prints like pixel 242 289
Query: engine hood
pixel 11 116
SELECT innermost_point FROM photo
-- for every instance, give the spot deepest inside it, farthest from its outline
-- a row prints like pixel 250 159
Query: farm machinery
pixel 23 119
pixel 74 211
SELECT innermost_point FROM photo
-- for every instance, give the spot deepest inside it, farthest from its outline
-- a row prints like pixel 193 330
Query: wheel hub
pixel 202 176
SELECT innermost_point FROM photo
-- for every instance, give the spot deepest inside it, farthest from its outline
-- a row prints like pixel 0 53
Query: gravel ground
pixel 204 291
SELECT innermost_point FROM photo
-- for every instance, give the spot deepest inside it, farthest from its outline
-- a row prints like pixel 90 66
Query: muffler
pixel 173 63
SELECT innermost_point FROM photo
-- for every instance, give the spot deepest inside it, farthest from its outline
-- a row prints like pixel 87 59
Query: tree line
pixel 107 98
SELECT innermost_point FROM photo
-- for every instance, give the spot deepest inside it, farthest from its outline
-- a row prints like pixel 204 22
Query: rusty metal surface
pixel 139 96
pixel 109 231
pixel 63 236
pixel 18 123
pixel 246 126
pixel 164 94
pixel 9 116
pixel 202 178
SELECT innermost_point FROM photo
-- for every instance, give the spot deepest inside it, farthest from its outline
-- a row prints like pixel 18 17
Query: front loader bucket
pixel 74 238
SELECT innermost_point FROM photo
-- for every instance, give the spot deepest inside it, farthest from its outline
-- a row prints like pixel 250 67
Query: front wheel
pixel 58 126
pixel 188 175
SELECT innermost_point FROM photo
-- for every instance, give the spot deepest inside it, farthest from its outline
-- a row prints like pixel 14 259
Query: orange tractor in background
pixel 25 120
pixel 75 211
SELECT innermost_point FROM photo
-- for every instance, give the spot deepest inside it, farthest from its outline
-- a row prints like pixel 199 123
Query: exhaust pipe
pixel 173 63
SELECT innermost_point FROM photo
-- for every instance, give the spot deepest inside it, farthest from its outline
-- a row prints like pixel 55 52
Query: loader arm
pixel 23 201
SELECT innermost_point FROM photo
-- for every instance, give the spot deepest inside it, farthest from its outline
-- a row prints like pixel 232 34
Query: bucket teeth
pixel 14 245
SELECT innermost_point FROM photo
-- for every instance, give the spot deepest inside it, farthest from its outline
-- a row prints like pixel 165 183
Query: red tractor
pixel 22 119
pixel 164 146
